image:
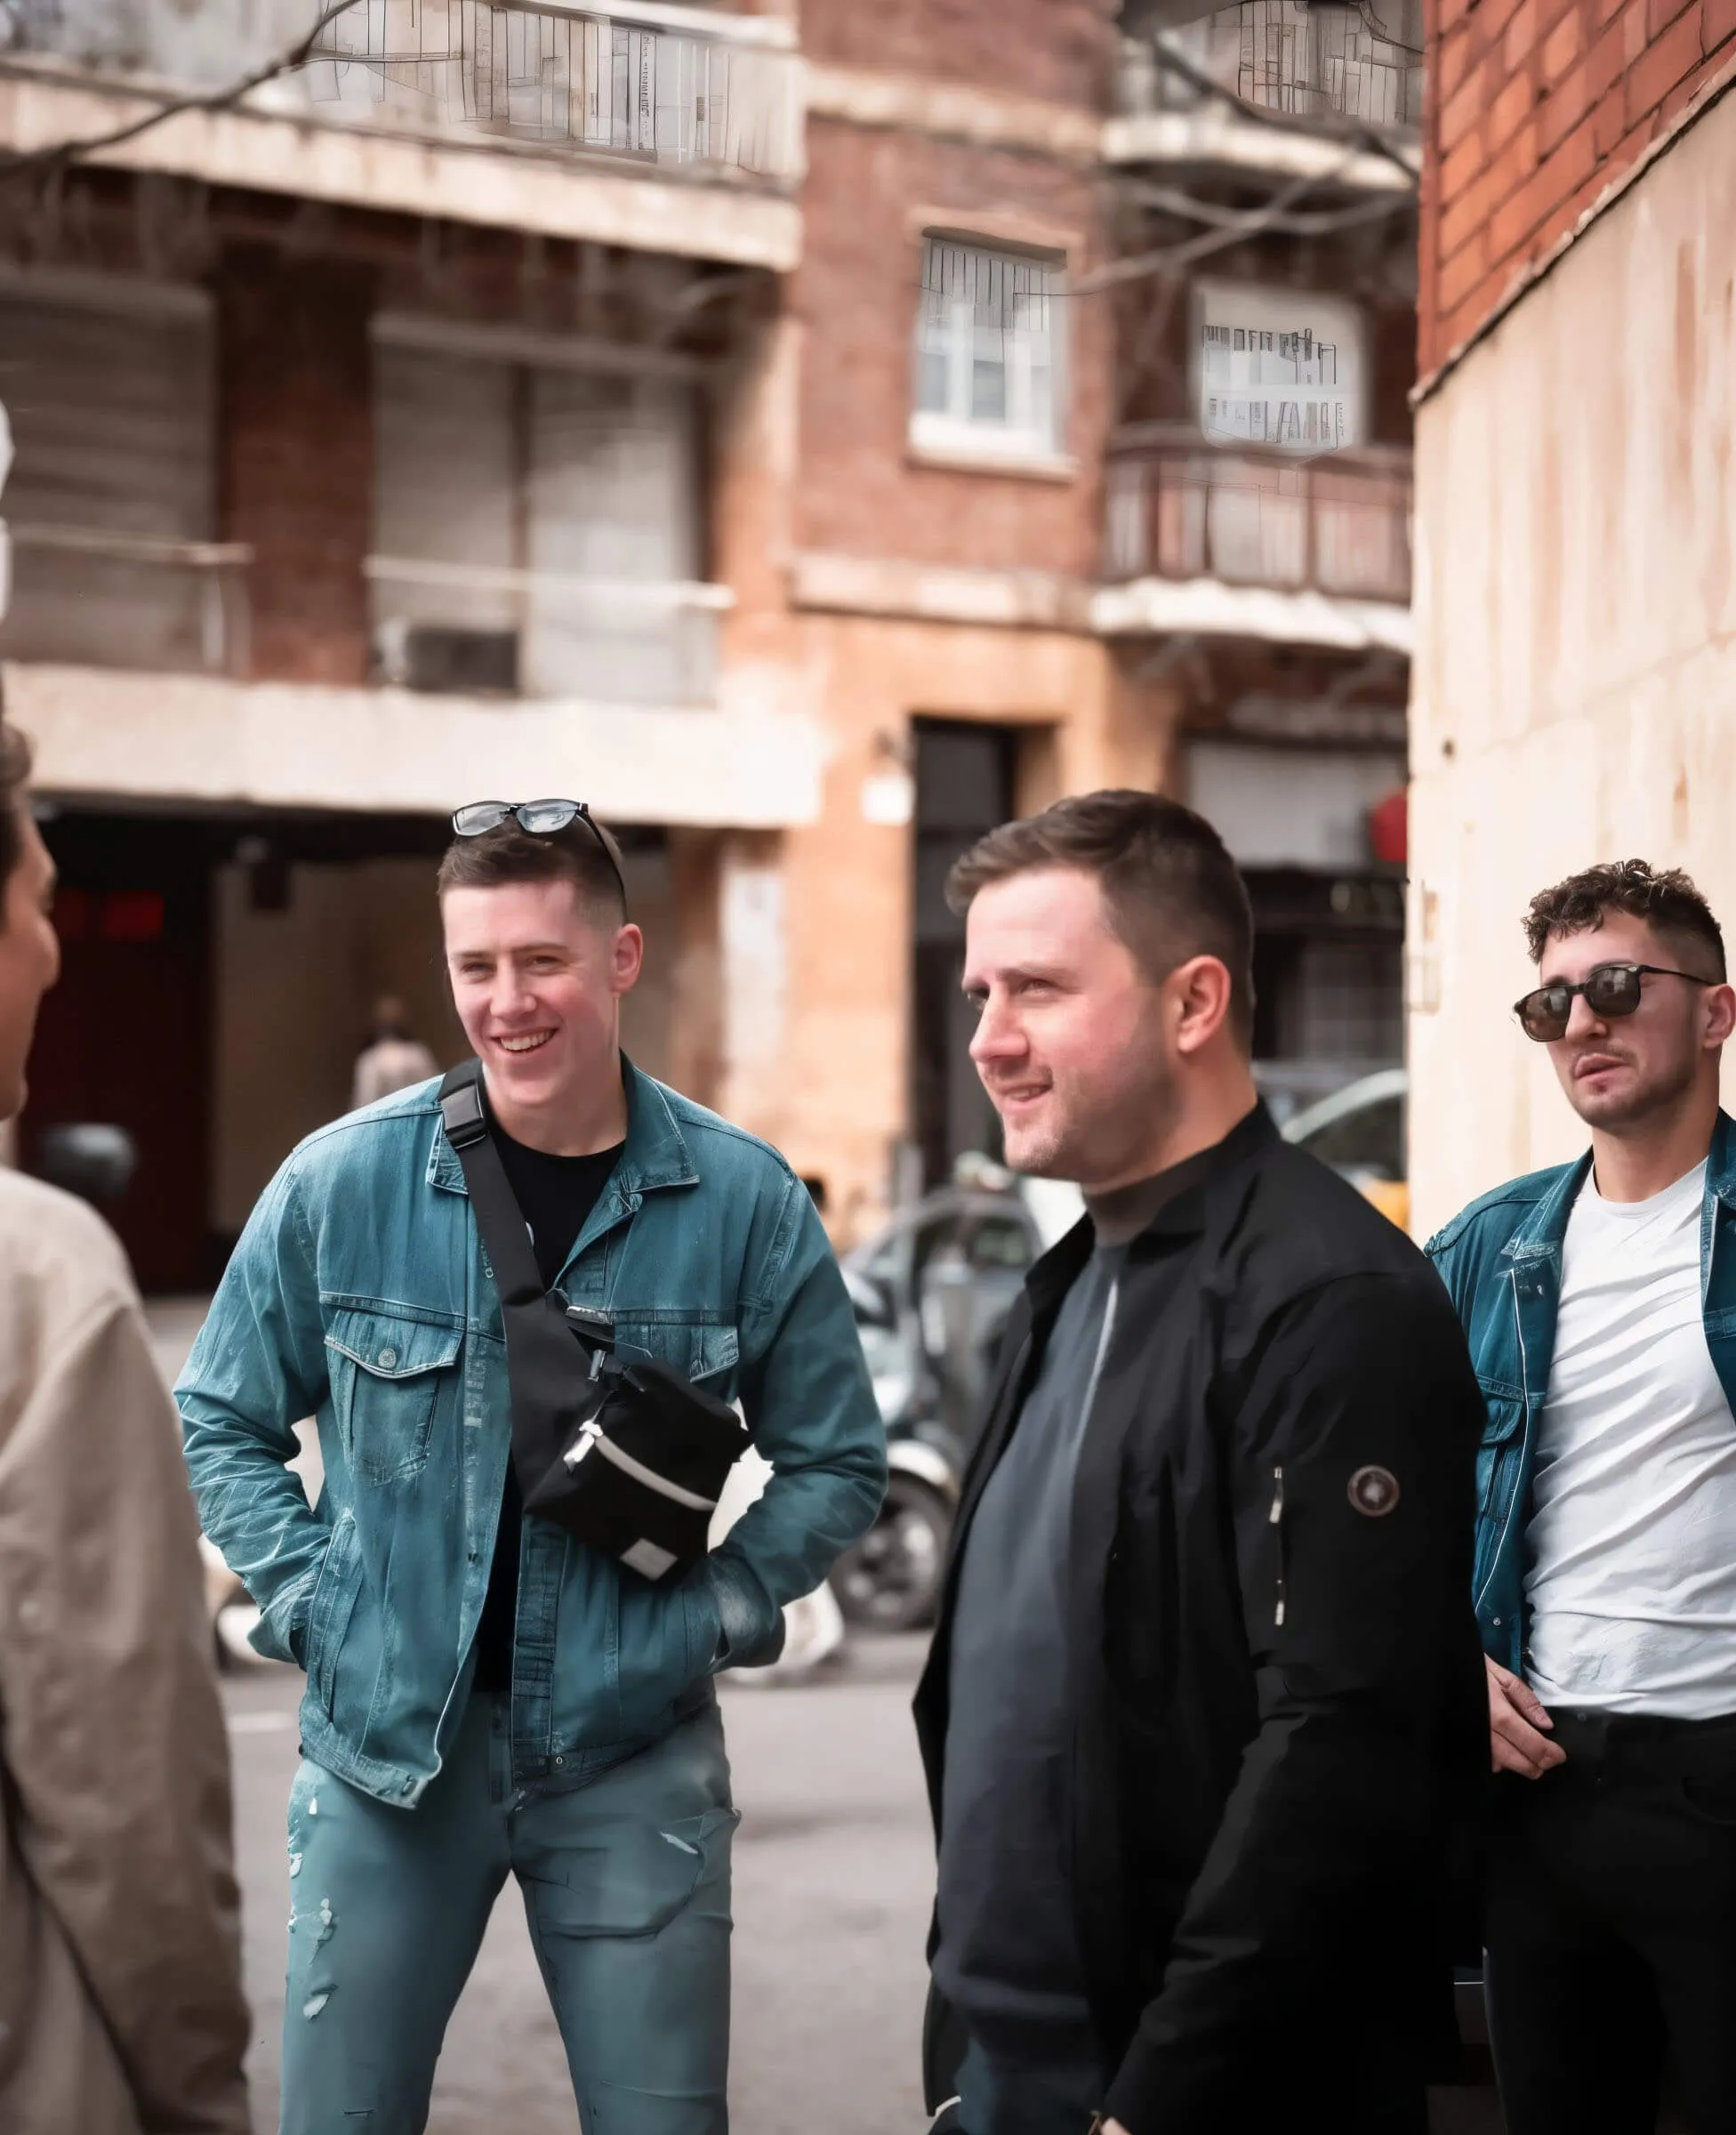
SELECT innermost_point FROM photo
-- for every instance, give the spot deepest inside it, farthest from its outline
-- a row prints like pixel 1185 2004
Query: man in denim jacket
pixel 1599 1299
pixel 485 1696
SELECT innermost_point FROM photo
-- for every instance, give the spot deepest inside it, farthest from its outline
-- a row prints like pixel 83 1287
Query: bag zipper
pixel 1275 1519
pixel 591 1435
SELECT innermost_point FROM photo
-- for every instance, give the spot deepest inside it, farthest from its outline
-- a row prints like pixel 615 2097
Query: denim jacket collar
pixel 1540 1233
pixel 656 1154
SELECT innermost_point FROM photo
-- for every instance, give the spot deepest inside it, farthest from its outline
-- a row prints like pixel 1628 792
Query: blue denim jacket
pixel 1500 1258
pixel 359 1295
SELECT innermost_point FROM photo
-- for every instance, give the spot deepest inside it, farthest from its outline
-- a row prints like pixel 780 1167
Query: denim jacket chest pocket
pixel 388 1375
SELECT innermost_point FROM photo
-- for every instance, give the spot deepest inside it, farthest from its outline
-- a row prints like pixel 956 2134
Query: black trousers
pixel 1610 1930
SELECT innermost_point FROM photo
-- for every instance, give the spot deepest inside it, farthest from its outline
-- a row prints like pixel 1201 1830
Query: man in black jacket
pixel 1204 1717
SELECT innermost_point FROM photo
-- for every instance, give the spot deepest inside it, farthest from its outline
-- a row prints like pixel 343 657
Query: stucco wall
pixel 1575 674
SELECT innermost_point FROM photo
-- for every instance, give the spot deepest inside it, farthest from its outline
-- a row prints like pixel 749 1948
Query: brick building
pixel 807 435
pixel 1574 606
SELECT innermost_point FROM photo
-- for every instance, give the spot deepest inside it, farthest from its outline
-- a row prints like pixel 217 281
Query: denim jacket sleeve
pixel 810 1405
pixel 257 1369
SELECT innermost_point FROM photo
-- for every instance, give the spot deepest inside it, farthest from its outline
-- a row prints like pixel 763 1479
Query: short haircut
pixel 1169 887
pixel 1666 899
pixel 14 777
pixel 510 854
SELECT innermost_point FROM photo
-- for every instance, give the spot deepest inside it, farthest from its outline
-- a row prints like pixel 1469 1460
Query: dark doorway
pixel 126 1037
pixel 964 786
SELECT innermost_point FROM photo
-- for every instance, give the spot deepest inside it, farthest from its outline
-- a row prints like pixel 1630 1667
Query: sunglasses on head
pixel 1612 989
pixel 540 818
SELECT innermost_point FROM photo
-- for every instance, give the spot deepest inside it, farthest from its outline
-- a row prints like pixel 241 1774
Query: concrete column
pixel 695 984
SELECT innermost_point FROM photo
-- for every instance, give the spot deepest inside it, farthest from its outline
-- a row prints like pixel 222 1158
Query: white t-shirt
pixel 1631 1545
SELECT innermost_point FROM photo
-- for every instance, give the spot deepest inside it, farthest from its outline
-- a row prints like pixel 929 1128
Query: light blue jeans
pixel 626 1888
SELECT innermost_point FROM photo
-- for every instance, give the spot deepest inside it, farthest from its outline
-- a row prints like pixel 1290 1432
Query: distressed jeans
pixel 626 1888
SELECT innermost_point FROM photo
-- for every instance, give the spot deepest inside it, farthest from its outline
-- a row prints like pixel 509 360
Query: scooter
pixel 890 1580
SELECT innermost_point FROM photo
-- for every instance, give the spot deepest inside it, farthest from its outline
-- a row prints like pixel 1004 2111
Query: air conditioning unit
pixel 445 660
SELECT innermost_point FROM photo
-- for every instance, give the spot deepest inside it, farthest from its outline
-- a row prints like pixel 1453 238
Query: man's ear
pixel 1200 992
pixel 628 959
pixel 1720 1009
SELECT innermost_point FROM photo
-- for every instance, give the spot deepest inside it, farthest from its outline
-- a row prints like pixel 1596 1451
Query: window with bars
pixel 989 352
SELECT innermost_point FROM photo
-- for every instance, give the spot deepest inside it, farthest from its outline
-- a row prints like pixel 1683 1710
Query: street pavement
pixel 833 1878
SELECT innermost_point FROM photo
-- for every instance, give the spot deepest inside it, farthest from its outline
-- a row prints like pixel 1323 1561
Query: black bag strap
pixel 544 1365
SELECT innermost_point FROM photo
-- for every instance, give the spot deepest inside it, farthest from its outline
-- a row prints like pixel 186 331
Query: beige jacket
pixel 120 1975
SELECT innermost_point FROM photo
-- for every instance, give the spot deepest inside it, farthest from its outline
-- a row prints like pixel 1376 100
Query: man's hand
pixel 1515 1719
pixel 1113 2127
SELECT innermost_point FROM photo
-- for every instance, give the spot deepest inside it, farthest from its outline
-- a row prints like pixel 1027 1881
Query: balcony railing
pixel 1338 525
pixel 1324 62
pixel 91 598
pixel 669 86
pixel 472 629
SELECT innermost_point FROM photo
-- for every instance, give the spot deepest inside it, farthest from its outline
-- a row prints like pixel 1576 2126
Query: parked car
pixel 1359 1132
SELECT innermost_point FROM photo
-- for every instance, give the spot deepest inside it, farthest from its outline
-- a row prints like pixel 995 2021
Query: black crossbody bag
pixel 625 1454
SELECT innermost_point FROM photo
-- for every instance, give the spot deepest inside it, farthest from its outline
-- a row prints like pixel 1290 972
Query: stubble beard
pixel 1638 1107
pixel 1103 1133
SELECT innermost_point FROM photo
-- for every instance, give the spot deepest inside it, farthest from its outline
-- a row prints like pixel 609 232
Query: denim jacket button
pixel 388 1358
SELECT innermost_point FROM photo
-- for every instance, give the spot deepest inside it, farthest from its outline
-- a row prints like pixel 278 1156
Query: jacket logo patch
pixel 1374 1492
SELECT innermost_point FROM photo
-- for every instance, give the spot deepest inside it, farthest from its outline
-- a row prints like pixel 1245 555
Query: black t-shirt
pixel 555 1195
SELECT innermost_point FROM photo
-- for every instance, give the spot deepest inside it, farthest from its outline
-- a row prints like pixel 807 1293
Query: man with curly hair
pixel 1600 1303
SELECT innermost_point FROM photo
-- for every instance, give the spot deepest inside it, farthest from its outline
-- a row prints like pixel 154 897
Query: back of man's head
pixel 1170 889
pixel 14 781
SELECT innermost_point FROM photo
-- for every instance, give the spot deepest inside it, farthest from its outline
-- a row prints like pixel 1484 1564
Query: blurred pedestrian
pixel 1202 1716
pixel 1600 1300
pixel 391 1059
pixel 487 1696
pixel 120 1964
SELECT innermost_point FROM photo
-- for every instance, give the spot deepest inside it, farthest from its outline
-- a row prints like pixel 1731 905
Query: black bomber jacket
pixel 1278 1703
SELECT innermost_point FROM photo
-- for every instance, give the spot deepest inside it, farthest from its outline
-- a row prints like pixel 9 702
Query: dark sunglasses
pixel 540 818
pixel 1612 989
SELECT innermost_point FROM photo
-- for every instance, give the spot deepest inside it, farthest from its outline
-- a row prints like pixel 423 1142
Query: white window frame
pixel 1032 434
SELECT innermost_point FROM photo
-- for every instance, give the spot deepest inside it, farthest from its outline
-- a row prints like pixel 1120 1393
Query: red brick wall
pixel 296 448
pixel 1059 50
pixel 867 195
pixel 1534 107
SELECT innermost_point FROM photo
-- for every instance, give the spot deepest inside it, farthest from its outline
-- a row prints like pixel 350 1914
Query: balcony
pixel 463 629
pixel 1188 527
pixel 695 90
pixel 115 599
pixel 1321 63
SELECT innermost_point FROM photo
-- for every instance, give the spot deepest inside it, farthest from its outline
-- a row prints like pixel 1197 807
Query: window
pixel 988 353
pixel 536 525
pixel 1279 367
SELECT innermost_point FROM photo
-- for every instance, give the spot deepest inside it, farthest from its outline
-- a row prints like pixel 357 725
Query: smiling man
pixel 487 1696
pixel 1203 1709
pixel 1600 1300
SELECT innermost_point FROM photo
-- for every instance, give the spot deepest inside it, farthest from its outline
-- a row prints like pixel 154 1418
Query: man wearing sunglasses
pixel 487 1696
pixel 1600 1304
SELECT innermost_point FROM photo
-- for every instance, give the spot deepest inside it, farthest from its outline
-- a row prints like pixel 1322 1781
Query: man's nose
pixel 997 1035
pixel 508 992
pixel 1583 1021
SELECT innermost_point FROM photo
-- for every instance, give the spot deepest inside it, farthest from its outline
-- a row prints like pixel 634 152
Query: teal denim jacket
pixel 359 1295
pixel 1500 1258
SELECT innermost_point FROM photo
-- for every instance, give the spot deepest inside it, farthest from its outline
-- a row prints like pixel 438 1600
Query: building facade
pixel 808 436
pixel 1574 681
